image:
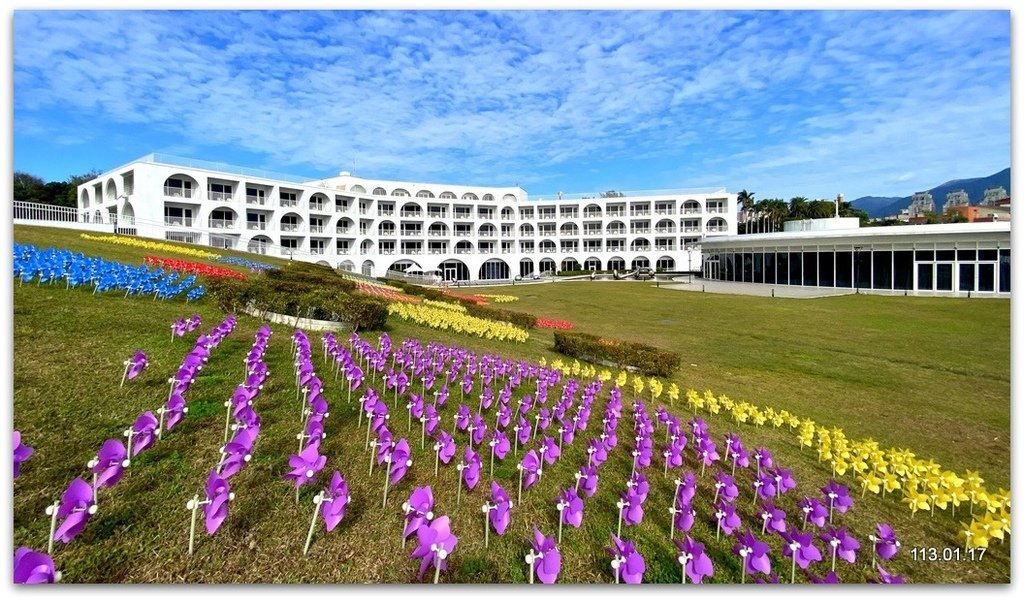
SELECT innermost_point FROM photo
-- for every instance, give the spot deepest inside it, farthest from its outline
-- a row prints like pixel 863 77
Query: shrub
pixel 645 358
pixel 523 320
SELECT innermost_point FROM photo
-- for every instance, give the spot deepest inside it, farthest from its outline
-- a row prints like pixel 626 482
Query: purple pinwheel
pixel 830 578
pixel 418 510
pixel 462 417
pixel 686 489
pixel 886 545
pixel 753 554
pixel 142 434
pixel 735 453
pixel 813 511
pixel 21 453
pixel 306 465
pixel 32 567
pixel 237 452
pixel 76 507
pixel 400 461
pixel 773 519
pixel 570 507
pixel 725 487
pixel 499 512
pixel 335 499
pixel 587 478
pixel 627 564
pixel 638 486
pixel 194 322
pixel 840 544
pixel 597 452
pixel 763 459
pixel 707 453
pixel 479 427
pixel 696 563
pixel 471 469
pixel 549 450
pixel 838 498
pixel 884 577
pixel 631 508
pixel 544 559
pixel 174 411
pixel 179 327
pixel 684 517
pixel 500 443
pixel 218 494
pixel 435 543
pixel 522 430
pixel 110 463
pixel 432 419
pixel 136 364
pixel 531 467
pixel 784 480
pixel 726 518
pixel 800 547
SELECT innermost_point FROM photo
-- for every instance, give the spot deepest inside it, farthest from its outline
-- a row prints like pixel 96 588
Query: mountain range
pixel 883 206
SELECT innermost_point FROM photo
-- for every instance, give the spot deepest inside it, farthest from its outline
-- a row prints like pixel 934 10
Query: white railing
pixel 316 229
pixel 716 210
pixel 316 251
pixel 665 230
pixel 255 200
pixel 411 233
pixel 720 228
pixel 528 251
pixel 177 192
pixel 438 251
pixel 385 213
pixel 219 195
pixel 618 232
pixel 256 225
pixel 691 211
pixel 340 209
pixel 487 234
pixel 289 203
pixel 413 214
pixel 437 215
pixel 224 224
pixel 386 233
pixel 260 249
pixel 289 227
pixel 691 229
pixel 342 230
pixel 319 207
pixel 178 221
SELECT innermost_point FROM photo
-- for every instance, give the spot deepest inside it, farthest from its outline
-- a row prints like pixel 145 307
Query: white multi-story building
pixel 371 226
pixel 956 198
pixel 921 203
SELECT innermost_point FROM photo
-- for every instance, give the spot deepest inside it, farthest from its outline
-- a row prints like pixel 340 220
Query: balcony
pixel 591 232
pixel 437 233
pixel 255 200
pixel 641 230
pixel 526 251
pixel 317 206
pixel 413 214
pixel 664 212
pixel 670 247
pixel 665 230
pixel 222 224
pixel 412 233
pixel 438 251
pixel 616 214
pixel 340 208
pixel 488 234
pixel 592 215
pixel 381 213
pixel 716 210
pixel 316 251
pixel 639 213
pixel 285 202
pixel 463 234
pixel 691 211
pixel 437 215
pixel 508 234
pixel 460 215
pixel 386 233
pixel 363 231
pixel 256 225
pixel 342 251
pixel 290 227
pixel 219 195
pixel 343 230
pixel 178 221
pixel 413 251
pixel 618 232
pixel 463 251
pixel 570 216
pixel 717 229
pixel 316 229
pixel 386 251
pixel 546 232
pixel 691 229
pixel 177 192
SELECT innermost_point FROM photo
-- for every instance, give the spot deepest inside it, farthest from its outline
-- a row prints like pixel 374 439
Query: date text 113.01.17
pixel 946 554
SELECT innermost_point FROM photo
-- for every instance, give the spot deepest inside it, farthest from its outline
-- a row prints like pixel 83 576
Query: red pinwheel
pixel 418 510
pixel 800 547
pixel 435 543
pixel 218 494
pixel 21 453
pixel 695 562
pixel 627 564
pixel 841 544
pixel 885 544
pixel 142 434
pixel 570 510
pixel 109 465
pixel 76 507
pixel 544 560
pixel 753 554
pixel 32 567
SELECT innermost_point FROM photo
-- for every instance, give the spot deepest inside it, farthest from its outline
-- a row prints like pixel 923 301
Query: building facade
pixel 954 199
pixel 948 258
pixel 921 203
pixel 372 226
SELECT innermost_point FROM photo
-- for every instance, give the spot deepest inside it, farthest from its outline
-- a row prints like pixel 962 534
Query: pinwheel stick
pixel 561 518
pixel 129 433
pixel 51 511
pixel 387 480
pixel 491 475
pixel 795 548
pixel 125 374
pixel 160 428
pixel 440 555
pixel 227 419
pixel 487 530
pixel 194 506
pixel 437 455
pixel 835 551
pixel 672 521
pixel 423 432
pixel 312 524
pixel 369 421
pixel 743 568
pixel 872 538
pixel 519 500
pixel 529 561
pixel 458 495
pixel 373 447
pixel 620 505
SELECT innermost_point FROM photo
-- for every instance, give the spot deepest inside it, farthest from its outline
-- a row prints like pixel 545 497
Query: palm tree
pixel 746 201
pixel 776 212
pixel 798 208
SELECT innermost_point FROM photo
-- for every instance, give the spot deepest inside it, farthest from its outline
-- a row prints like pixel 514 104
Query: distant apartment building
pixel 993 195
pixel 954 199
pixel 921 203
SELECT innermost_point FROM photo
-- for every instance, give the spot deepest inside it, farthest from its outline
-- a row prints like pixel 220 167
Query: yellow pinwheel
pixel 621 379
pixel 638 385
pixel 604 375
pixel 974 535
pixel 656 388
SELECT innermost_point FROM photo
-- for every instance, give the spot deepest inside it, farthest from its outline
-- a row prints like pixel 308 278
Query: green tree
pixel 798 208
pixel 28 187
pixel 746 201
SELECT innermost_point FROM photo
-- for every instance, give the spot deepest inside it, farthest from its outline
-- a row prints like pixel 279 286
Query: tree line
pixel 31 188
pixel 768 214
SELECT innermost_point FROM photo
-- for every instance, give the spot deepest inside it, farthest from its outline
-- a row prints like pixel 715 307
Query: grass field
pixel 932 375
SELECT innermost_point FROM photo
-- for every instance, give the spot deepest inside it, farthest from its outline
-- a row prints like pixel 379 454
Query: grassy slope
pixel 140 532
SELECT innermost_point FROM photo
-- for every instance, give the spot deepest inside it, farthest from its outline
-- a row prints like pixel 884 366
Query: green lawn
pixel 928 374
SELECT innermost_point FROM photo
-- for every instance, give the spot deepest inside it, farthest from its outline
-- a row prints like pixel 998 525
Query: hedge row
pixel 281 291
pixel 517 318
pixel 646 359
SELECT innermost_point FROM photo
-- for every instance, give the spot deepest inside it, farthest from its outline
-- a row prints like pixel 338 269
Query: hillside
pixel 881 206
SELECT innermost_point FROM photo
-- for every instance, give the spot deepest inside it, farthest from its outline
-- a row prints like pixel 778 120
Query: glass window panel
pixel 769 268
pixel 795 263
pixel 783 259
pixel 903 270
pixel 1004 271
pixel 881 270
pixel 924 276
pixel 966 276
pixel 844 269
pixel 810 269
pixel 986 277
pixel 826 265
pixel 925 255
pixel 966 255
pixel 945 255
pixel 758 268
pixel 944 276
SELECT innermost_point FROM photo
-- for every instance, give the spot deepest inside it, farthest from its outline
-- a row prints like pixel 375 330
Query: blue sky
pixel 779 103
